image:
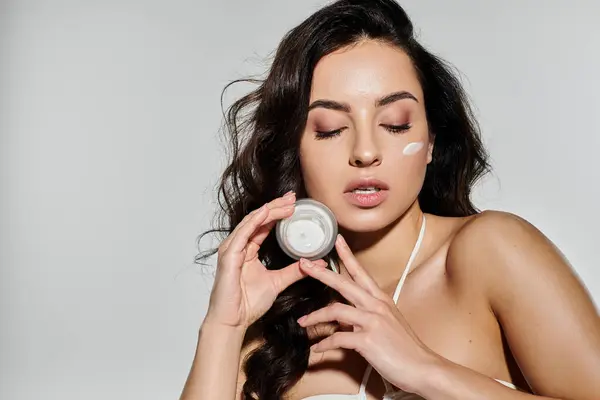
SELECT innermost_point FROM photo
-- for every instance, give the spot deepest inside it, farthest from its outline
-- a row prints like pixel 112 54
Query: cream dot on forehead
pixel 413 148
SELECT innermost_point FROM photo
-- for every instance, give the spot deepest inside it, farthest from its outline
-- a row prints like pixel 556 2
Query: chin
pixel 366 220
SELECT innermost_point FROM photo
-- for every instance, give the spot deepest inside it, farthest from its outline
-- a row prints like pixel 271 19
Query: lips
pixel 365 183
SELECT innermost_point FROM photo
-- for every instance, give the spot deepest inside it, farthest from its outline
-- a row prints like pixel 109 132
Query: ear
pixel 430 151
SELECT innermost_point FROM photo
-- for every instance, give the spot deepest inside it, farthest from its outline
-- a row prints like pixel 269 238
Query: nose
pixel 365 151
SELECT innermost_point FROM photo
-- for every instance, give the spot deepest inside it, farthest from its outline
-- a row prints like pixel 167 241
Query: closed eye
pixel 391 128
pixel 328 134
pixel 397 128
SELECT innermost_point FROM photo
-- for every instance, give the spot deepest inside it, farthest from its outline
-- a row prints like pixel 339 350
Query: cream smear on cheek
pixel 413 148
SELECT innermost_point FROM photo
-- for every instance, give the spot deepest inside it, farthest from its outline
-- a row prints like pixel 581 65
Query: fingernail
pixel 289 194
pixel 340 239
pixel 306 263
pixel 301 319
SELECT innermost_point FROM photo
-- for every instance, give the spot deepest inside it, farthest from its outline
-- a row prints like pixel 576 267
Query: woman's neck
pixel 384 254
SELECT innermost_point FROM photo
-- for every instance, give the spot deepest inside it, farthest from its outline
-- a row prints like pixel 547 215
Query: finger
pixel 240 239
pixel 292 273
pixel 275 215
pixel 340 340
pixel 287 200
pixel 257 239
pixel 356 271
pixel 262 232
pixel 289 197
pixel 345 286
pixel 225 244
pixel 342 313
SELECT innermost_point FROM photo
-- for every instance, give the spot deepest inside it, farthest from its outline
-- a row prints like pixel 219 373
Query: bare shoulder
pixel 494 226
pixel 498 250
pixel 493 244
pixel 545 311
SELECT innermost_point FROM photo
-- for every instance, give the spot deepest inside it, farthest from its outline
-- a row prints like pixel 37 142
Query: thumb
pixel 284 277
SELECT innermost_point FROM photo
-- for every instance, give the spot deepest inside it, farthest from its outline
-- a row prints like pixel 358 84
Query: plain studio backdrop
pixel 109 152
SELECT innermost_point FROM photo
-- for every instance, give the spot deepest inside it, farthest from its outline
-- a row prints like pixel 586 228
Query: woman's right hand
pixel 244 289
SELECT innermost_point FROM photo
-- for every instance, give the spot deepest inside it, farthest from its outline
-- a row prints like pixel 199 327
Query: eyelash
pixel 391 128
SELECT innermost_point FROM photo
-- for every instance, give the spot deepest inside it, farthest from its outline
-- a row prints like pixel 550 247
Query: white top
pixel 398 395
pixel 390 393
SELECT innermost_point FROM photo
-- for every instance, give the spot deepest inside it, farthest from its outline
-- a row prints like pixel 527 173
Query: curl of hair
pixel 263 130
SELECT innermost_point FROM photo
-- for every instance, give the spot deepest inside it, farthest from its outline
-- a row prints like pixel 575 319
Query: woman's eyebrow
pixel 345 107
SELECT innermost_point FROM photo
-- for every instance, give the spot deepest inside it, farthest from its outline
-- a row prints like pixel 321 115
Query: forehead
pixel 364 71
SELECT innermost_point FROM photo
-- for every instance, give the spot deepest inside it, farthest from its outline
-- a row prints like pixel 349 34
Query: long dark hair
pixel 263 129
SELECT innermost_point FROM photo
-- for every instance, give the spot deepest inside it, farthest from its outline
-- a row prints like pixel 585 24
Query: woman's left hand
pixel 380 333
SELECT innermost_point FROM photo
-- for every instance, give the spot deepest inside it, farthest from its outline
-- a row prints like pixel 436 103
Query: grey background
pixel 109 112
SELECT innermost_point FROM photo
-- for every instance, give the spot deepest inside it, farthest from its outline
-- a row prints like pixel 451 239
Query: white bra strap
pixel 388 387
pixel 362 392
pixel 408 264
pixel 411 259
pixel 332 266
pixel 362 395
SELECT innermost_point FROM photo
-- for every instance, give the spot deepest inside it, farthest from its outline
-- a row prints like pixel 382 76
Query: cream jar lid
pixel 308 233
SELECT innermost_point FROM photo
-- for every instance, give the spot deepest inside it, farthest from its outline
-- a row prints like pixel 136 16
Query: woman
pixel 424 296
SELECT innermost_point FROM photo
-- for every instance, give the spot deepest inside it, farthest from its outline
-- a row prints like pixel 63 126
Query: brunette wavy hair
pixel 263 130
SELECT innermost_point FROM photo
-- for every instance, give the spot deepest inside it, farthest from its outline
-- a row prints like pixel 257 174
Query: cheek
pixel 407 150
pixel 410 158
pixel 419 149
pixel 413 148
pixel 318 164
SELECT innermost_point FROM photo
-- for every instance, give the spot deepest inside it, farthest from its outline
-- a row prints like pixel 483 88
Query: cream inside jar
pixel 308 233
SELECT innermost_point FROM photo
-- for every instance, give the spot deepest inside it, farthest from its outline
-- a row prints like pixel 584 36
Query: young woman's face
pixel 366 121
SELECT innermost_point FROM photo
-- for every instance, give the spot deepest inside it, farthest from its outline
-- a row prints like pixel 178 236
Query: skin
pixel 479 286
